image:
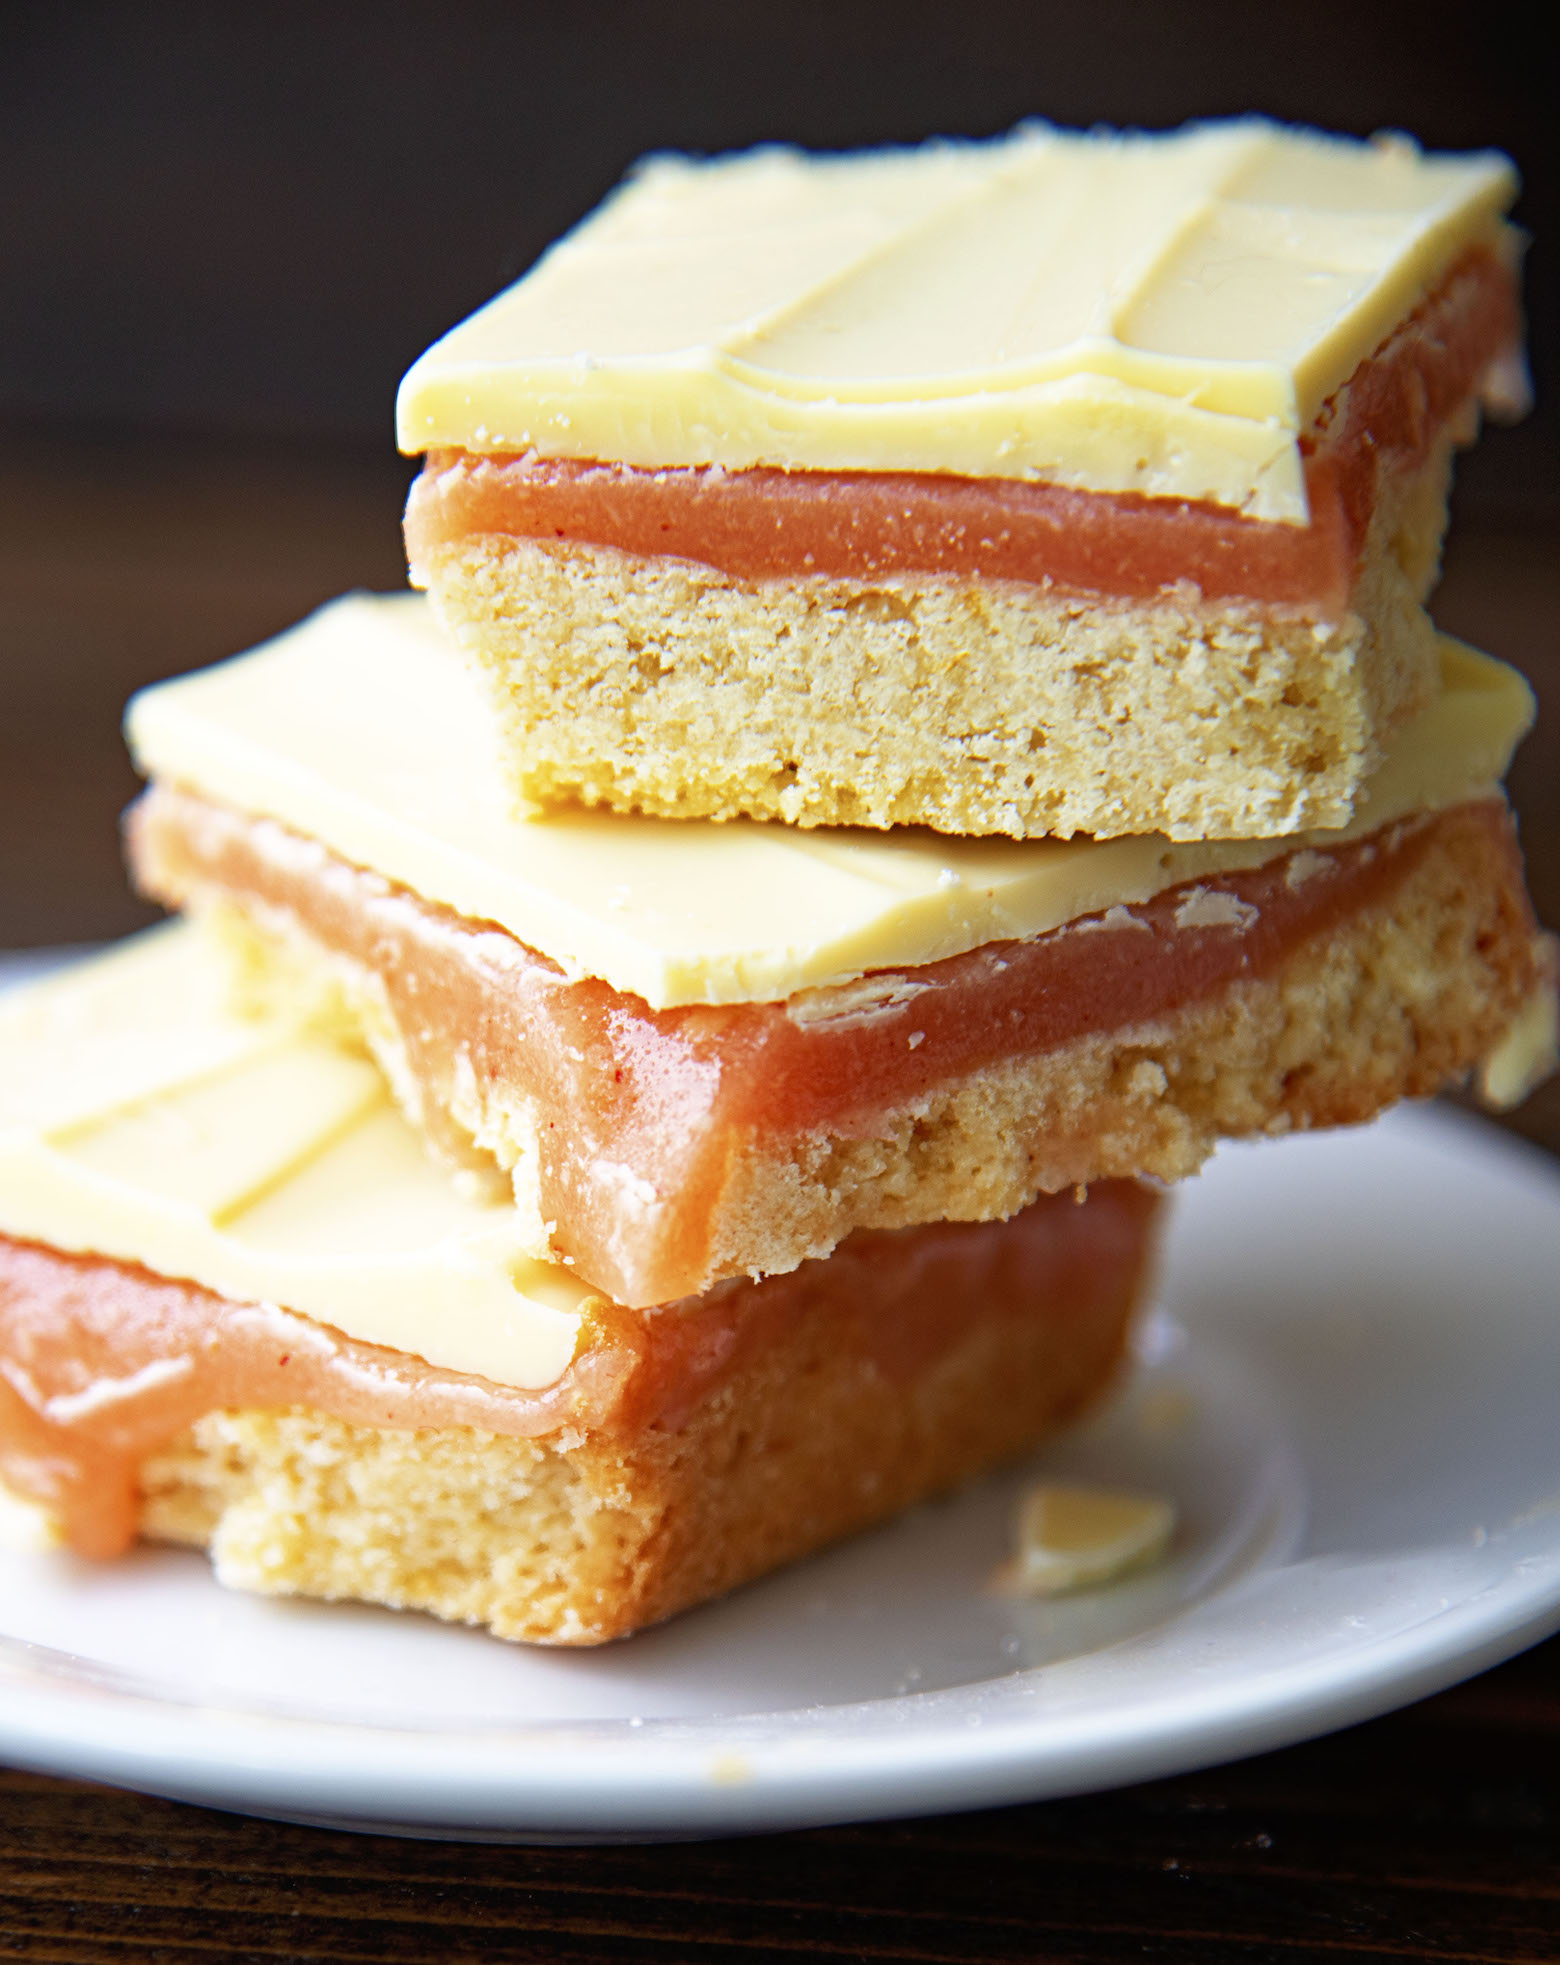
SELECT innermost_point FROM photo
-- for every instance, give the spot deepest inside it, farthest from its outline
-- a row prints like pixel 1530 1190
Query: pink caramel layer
pixel 674 1103
pixel 772 524
pixel 102 1363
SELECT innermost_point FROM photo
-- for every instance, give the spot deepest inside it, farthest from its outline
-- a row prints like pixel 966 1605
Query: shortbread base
pixel 896 1376
pixel 568 1543
pixel 972 706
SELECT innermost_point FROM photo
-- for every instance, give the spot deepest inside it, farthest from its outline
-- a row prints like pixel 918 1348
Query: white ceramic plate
pixel 1352 1391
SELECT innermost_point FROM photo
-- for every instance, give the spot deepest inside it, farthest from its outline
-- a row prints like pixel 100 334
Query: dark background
pixel 251 219
pixel 226 230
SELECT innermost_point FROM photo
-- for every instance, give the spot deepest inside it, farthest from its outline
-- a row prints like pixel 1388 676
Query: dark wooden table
pixel 1431 1834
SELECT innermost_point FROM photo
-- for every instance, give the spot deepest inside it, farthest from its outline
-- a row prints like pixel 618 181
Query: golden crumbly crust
pixel 663 686
pixel 571 1540
pixel 1400 1001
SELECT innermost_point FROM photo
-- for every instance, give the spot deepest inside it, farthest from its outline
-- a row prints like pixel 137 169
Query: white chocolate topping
pixel 363 730
pixel 1162 314
pixel 143 1121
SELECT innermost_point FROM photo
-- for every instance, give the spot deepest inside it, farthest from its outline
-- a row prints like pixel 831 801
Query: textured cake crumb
pixel 986 707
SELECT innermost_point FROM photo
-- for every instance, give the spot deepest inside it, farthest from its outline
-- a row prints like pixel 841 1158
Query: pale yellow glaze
pixel 1160 314
pixel 362 729
pixel 141 1120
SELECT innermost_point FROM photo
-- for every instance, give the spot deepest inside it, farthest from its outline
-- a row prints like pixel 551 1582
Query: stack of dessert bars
pixel 923 721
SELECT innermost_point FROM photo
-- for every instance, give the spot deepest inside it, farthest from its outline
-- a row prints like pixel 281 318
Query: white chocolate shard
pixel 1077 1538
pixel 1527 1054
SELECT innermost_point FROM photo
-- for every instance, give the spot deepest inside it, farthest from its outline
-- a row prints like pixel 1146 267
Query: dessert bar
pixel 241 1308
pixel 1062 483
pixel 923 716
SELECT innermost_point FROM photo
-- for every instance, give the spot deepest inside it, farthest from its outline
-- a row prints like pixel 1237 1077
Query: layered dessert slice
pixel 704 1050
pixel 1063 483
pixel 241 1308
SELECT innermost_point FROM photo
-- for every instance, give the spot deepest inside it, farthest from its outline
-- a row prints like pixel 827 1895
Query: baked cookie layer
pixel 970 705
pixel 1134 539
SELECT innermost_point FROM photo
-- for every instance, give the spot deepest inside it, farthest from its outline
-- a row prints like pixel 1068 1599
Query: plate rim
pixel 465 1780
